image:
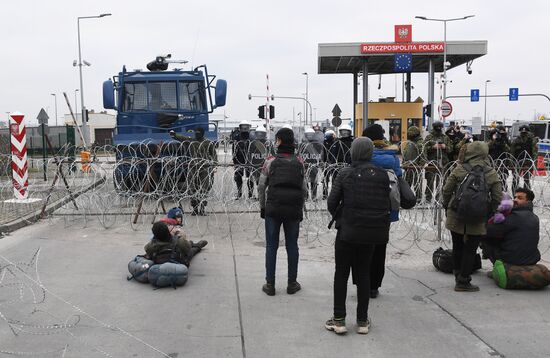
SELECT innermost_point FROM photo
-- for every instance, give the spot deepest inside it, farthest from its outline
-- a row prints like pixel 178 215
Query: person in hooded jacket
pixel 383 156
pixel 164 247
pixel 466 236
pixel 360 203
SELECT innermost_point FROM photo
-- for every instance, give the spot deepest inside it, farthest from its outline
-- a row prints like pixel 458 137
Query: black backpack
pixel 472 197
pixel 168 254
pixel 443 260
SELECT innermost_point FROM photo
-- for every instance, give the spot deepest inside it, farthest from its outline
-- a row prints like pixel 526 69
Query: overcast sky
pixel 242 41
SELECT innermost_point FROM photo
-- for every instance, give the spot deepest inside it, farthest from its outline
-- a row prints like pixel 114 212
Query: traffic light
pixel 261 112
pixel 428 110
pixel 271 112
pixel 87 117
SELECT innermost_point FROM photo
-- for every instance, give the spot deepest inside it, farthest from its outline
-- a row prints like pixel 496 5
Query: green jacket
pixel 476 153
pixel 183 246
pixel 200 149
pixel 412 151
pixel 523 145
pixel 431 153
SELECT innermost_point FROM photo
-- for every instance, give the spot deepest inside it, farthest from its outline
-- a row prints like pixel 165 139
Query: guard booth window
pixel 413 122
pixel 395 130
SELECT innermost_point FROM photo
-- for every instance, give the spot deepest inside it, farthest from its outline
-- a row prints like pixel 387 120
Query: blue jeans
pixel 272 229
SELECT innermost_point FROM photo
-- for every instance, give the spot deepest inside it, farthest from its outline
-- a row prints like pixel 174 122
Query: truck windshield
pixel 162 96
pixel 191 96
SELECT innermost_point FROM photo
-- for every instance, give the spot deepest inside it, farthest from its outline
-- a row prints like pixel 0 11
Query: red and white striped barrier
pixel 19 163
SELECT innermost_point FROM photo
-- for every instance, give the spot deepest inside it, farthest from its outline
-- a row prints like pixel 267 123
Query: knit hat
pixel 361 149
pixel 161 232
pixel 374 132
pixel 174 213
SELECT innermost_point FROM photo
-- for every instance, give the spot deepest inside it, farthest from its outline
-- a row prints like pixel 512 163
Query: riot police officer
pixel 525 151
pixel 240 157
pixel 311 151
pixel 328 160
pixel 437 148
pixel 341 150
pixel 258 151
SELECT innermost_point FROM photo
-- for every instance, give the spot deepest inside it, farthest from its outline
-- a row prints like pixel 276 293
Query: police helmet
pixel 309 133
pixel 288 126
pixel 261 133
pixel 437 126
pixel 345 131
pixel 524 128
pixel 244 126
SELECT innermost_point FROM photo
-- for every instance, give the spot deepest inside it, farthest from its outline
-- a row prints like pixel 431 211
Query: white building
pixel 101 126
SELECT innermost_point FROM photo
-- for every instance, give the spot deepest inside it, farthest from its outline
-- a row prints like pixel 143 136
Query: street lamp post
pixel 485 115
pixel 75 102
pixel 55 99
pixel 307 93
pixel 445 65
pixel 83 107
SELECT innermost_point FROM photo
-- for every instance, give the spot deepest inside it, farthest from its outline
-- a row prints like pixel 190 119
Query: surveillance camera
pixel 86 63
pixel 447 64
pixel 74 63
pixel 469 71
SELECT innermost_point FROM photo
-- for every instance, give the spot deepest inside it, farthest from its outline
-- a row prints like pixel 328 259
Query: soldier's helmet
pixel 501 129
pixel 437 126
pixel 413 132
pixel 524 128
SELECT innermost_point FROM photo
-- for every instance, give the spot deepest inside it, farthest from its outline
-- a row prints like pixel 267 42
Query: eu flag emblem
pixel 403 62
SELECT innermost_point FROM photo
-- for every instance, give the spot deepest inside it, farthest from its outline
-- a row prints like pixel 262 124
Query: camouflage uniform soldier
pixel 499 150
pixel 201 168
pixel 525 151
pixel 412 158
pixel 436 150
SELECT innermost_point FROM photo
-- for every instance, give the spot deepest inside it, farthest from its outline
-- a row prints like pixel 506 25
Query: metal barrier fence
pixel 137 184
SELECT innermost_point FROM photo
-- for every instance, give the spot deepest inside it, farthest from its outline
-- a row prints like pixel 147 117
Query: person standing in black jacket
pixel 360 202
pixel 515 240
pixel 282 192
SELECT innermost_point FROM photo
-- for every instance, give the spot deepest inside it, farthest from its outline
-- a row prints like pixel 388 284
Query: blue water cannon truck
pixel 150 104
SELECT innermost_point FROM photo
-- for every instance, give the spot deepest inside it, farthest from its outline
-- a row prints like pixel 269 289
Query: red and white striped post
pixel 19 162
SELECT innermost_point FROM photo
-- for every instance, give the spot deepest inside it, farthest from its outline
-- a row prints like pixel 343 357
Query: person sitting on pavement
pixel 174 220
pixel 515 240
pixel 164 247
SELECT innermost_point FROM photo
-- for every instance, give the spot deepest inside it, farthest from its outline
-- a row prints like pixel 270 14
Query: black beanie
pixel 374 132
pixel 286 136
pixel 161 231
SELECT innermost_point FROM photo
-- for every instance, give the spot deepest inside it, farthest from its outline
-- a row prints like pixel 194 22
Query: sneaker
pixel 465 287
pixel 373 293
pixel 269 289
pixel 293 287
pixel 336 325
pixel 363 326
pixel 201 243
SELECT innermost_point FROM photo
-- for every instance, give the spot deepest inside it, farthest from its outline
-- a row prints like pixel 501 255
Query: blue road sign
pixel 513 94
pixel 474 95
